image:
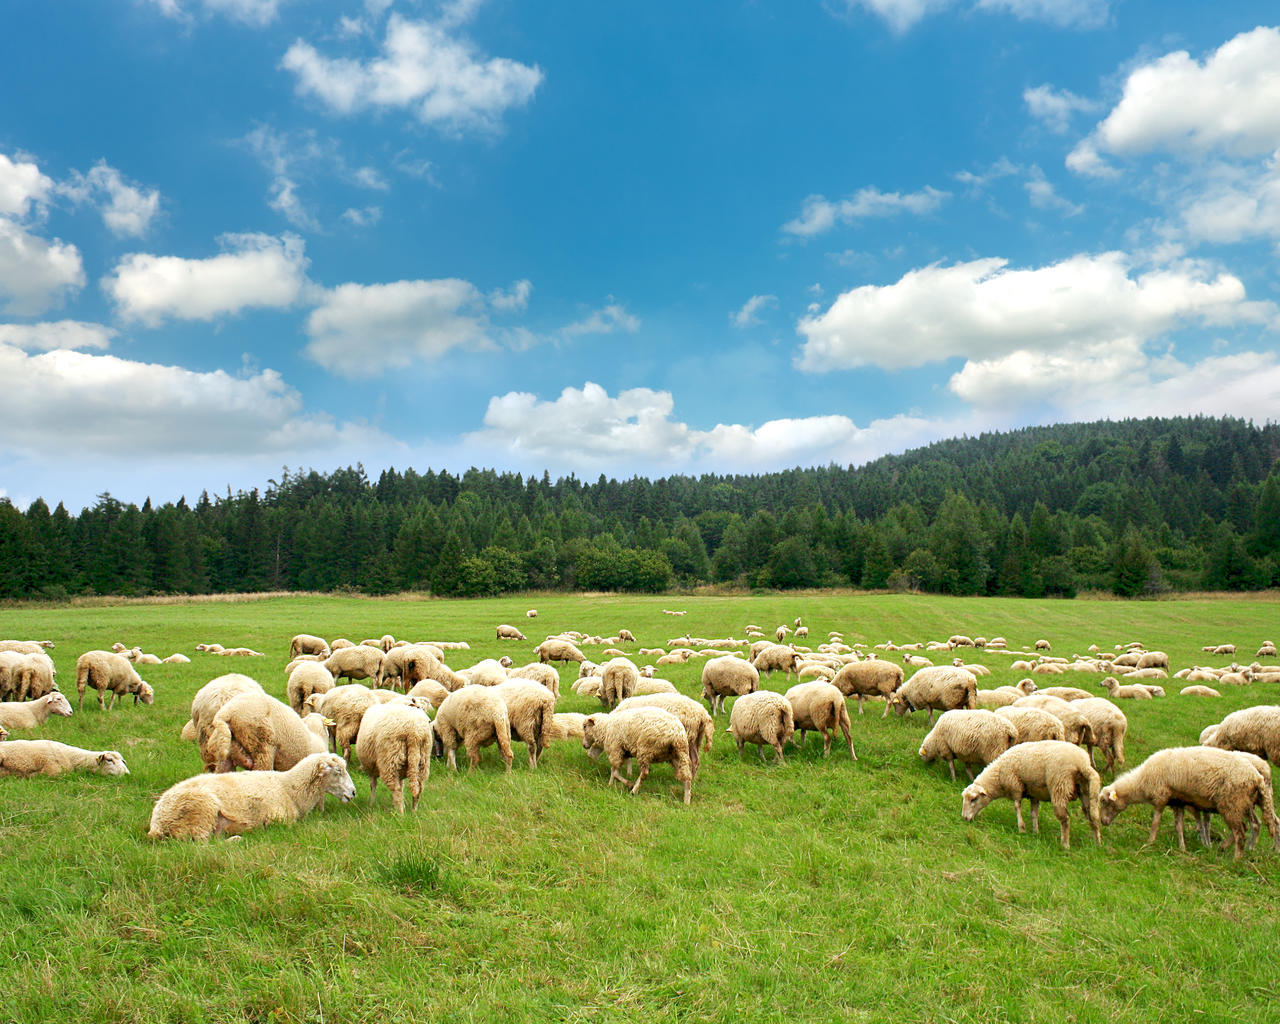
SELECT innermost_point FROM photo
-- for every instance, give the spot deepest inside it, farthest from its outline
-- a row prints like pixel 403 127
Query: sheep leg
pixel 778 747
pixel 1202 826
pixel 968 771
pixel 1178 814
pixel 740 746
pixel 951 763
pixel 451 756
pixel 1155 823
pixel 1064 822
pixel 266 758
pixel 848 736
pixel 1017 803
pixel 859 703
pixel 473 751
pixel 1035 815
pixel 397 792
pixel 1237 834
pixel 373 787
pixel 693 754
pixel 826 742
pixel 644 774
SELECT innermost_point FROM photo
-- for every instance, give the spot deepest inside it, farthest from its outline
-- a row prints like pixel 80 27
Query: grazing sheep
pixel 433 691
pixel 33 713
pixel 1043 645
pixel 259 733
pixel 864 679
pixel 698 724
pixel 345 706
pixel 618 681
pixel 341 643
pixel 488 672
pixel 972 737
pixel 1074 723
pixel 1046 770
pixel 208 805
pixel 402 666
pixel 26 676
pixel 1108 725
pixel 307 678
pixel 108 672
pixel 1198 690
pixel 207 702
pixel 305 643
pixel 1221 649
pixel 531 710
pixel 558 650
pixel 394 745
pixel 1254 730
pixel 626 636
pixel 1201 777
pixel 958 640
pixel 1267 650
pixel 25 758
pixel 532 613
pixel 643 734
pixel 1033 724
pixel 938 688
pixel 506 632
pixel 820 707
pixel 780 634
pixel 727 677
pixel 539 673
pixel 476 717
pixel 777 658
pixel 360 662
pixel 764 718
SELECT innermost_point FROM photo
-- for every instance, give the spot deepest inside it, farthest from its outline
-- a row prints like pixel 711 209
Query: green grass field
pixel 818 890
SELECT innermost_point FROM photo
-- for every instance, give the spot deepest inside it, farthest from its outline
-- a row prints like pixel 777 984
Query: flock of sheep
pixel 398 704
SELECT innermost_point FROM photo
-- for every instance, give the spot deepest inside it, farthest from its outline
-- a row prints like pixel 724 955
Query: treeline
pixel 1137 507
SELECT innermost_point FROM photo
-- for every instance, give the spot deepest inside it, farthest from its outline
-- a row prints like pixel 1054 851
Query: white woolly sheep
pixel 1067 693
pixel 626 636
pixel 618 681
pixel 971 737
pixel 558 650
pixel 207 702
pixel 307 678
pixel 474 716
pixel 429 688
pixel 531 710
pixel 1199 690
pixel 1255 730
pixel 1046 770
pixel 938 688
pixel 32 714
pixel 109 673
pixel 698 723
pixel 1074 723
pixel 259 733
pixel 532 613
pixel 777 658
pixel 208 805
pixel 727 677
pixel 1108 725
pixel 305 643
pixel 567 725
pixel 820 707
pixel 764 718
pixel 1043 645
pixel 1033 724
pixel 874 678
pixel 539 673
pixel 650 685
pixel 505 632
pixel 345 706
pixel 394 746
pixel 1116 691
pixel 646 735
pixel 359 662
pixel 488 672
pixel 25 758
pixel 26 676
pixel 177 659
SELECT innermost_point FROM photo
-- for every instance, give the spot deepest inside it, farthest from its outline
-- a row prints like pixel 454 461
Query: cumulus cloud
pixel 22 187
pixel 126 208
pixel 253 272
pixel 819 214
pixel 1235 204
pixel 983 310
pixel 513 300
pixel 1055 107
pixel 903 14
pixel 606 320
pixel 747 316
pixel 443 80
pixel 53 334
pixel 35 274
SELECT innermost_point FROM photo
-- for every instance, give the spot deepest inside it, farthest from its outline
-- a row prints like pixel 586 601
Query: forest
pixel 1136 507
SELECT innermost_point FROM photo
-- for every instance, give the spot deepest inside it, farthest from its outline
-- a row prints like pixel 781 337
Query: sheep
pixel 1108 725
pixel 105 671
pixel 340 643
pixel 1045 770
pixel 4 734
pixel 531 709
pixel 505 632
pixel 1254 730
pixel 1201 777
pixel 780 634
pixel 1023 666
pixel 567 725
pixel 208 805
pixel 25 646
pixel 399 665
pixel 1197 690
pixel 25 758
pixel 394 745
pixel 429 688
pixel 260 733
pixel 307 678
pixel 305 643
pixel 916 661
pixel 958 640
pixel 626 636
pixel 618 681
pixel 345 705
pixel 1154 659
pixel 532 613
pixel 1117 692
pixel 539 673
pixel 776 658
pixel 241 652
pixel 938 688
pixel 1220 649
pixel 864 679
pixel 26 676
pixel 1043 645
pixel 1032 724
pixel 650 685
pixel 11 667
pixel 763 718
pixel 176 659
pixel 1047 669
pixel 33 713
pixel 207 702
pixel 359 662
pixel 1267 650
pixel 210 648
pixel 698 724
pixel 419 662
pixel 820 707
pixel 1074 723
pixel 1067 693
pixel 727 677
pixel 476 717
pixel 558 650
pixel 675 658
pixel 643 734
pixel 972 737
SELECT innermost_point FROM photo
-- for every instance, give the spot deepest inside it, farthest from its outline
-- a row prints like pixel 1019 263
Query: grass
pixel 812 891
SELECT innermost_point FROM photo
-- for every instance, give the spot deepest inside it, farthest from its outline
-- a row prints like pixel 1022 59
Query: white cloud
pixel 1041 193
pixel 606 320
pixel 250 12
pixel 819 214
pixel 903 14
pixel 22 186
pixel 282 196
pixel 1069 375
pixel 255 271
pixel 983 310
pixel 35 274
pixel 514 300
pixel 1235 204
pixel 746 316
pixel 1002 168
pixel 68 334
pixel 443 80
pixel 369 177
pixel 363 217
pixel 1055 107
pixel 365 330
pixel 1085 159
pixel 126 208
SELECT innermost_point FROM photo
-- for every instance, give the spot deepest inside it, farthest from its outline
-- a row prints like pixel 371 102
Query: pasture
pixel 818 890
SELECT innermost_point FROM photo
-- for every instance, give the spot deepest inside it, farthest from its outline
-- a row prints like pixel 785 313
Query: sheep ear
pixel 329 723
pixel 102 759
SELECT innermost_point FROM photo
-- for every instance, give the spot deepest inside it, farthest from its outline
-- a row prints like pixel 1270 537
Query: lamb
pixel 1202 777
pixel 139 657
pixel 618 681
pixel 864 679
pixel 531 709
pixel 258 732
pixel 1136 691
pixel 1032 724
pixel 33 713
pixel 698 724
pixel 1046 770
pixel 25 758
pixel 208 805
pixel 938 688
pixel 1254 730
pixel 307 678
pixel 506 632
pixel 1198 690
pixel 1074 724
pixel 558 650
pixel 105 671
pixel 355 663
pixel 820 707
pixel 305 643
pixel 777 658
pixel 764 718
pixel 643 734
pixel 1108 725
pixel 727 677
pixel 476 717
pixel 394 745
pixel 972 737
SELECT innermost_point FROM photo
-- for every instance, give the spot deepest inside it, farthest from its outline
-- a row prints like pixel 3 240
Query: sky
pixel 629 238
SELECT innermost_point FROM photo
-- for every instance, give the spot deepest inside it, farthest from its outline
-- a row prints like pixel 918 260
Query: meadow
pixel 816 890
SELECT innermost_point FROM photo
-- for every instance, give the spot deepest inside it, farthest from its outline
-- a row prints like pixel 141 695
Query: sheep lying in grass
pixel 1201 777
pixel 1032 724
pixel 698 724
pixel 1047 770
pixel 646 735
pixel 938 688
pixel 109 673
pixel 25 758
pixel 531 709
pixel 1255 730
pixel 970 737
pixel 32 714
pixel 1198 690
pixel 474 716
pixel 764 718
pixel 651 685
pixel 863 679
pixel 1135 691
pixel 394 745
pixel 820 707
pixel 1067 693
pixel 208 805
pixel 727 677
pixel 308 677
pixel 259 733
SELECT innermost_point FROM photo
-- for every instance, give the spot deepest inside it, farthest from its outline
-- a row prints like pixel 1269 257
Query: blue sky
pixel 618 238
